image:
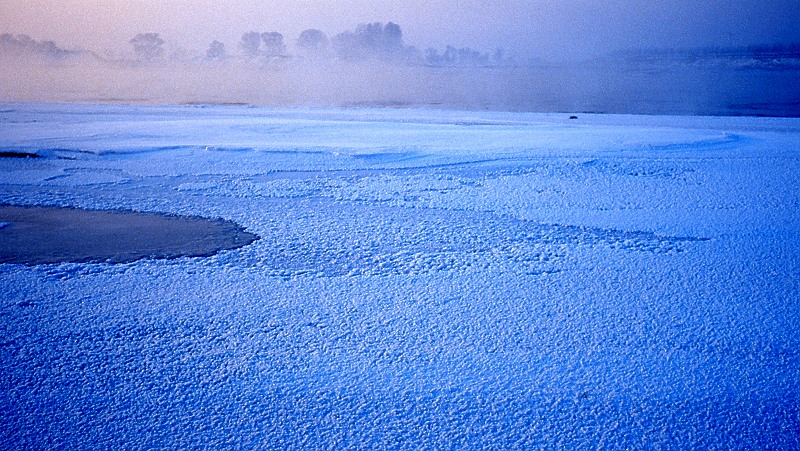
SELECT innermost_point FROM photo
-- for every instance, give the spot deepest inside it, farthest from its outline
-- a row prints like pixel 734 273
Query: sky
pixel 546 29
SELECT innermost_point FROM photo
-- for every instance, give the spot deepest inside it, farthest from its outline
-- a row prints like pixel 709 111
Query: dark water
pixel 41 235
pixel 741 86
pixel 620 89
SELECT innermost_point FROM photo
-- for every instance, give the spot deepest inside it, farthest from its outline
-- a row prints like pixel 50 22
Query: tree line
pixel 368 42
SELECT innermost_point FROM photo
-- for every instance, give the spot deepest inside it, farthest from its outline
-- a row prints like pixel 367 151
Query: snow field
pixel 432 279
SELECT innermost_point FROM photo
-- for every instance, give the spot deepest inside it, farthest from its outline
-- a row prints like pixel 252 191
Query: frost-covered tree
pixel 216 51
pixel 391 38
pixel 148 46
pixel 250 43
pixel 464 57
pixel 24 46
pixel 312 42
pixel 370 41
pixel 273 44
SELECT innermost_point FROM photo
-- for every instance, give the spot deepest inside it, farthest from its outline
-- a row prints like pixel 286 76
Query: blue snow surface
pixel 423 279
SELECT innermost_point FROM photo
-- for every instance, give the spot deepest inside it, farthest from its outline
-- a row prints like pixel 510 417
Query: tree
pixel 216 51
pixel 432 57
pixel 497 57
pixel 464 57
pixel 250 43
pixel 148 46
pixel 370 41
pixel 392 38
pixel 273 44
pixel 24 46
pixel 313 42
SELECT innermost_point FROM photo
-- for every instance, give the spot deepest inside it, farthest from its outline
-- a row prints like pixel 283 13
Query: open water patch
pixel 18 154
pixel 34 235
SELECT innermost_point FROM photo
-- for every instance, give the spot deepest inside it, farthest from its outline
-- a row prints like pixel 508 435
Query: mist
pixel 558 57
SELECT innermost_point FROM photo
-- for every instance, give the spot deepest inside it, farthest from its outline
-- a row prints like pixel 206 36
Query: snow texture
pixel 423 279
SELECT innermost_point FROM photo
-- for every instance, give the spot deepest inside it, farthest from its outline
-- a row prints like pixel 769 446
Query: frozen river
pixel 421 279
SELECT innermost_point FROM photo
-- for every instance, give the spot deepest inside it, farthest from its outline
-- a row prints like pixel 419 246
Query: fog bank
pixel 373 66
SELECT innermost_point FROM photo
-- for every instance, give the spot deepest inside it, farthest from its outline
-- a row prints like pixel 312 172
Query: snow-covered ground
pixel 423 279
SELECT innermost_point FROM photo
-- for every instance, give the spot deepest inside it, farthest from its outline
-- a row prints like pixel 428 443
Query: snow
pixel 424 279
